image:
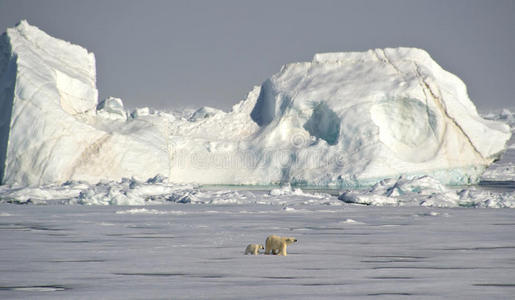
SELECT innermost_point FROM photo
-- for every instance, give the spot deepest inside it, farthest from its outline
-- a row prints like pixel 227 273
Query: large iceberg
pixel 344 119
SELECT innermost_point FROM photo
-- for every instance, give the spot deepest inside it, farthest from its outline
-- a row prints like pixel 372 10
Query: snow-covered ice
pixel 343 119
pixel 183 251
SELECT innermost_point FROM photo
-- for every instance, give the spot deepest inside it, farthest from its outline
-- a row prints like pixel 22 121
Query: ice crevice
pixel 388 61
pixel 427 89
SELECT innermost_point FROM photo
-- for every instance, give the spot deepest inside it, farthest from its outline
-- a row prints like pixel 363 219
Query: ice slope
pixel 344 119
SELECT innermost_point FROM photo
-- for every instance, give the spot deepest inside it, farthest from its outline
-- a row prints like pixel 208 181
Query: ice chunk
pixel 205 112
pixel 112 108
pixel 140 112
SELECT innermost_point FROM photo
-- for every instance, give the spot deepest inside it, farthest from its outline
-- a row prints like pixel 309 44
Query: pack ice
pixel 344 119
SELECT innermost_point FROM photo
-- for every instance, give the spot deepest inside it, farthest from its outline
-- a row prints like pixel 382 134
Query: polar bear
pixel 253 249
pixel 277 245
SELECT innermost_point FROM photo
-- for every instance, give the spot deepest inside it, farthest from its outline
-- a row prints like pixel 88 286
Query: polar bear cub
pixel 277 244
pixel 253 249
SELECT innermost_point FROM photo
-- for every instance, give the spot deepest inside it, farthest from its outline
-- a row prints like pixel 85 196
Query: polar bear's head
pixel 290 240
pixel 261 247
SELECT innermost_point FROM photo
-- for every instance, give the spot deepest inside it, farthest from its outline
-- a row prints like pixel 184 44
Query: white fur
pixel 277 245
pixel 253 249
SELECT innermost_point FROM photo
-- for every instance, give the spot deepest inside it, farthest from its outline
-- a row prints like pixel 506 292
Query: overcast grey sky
pixel 177 54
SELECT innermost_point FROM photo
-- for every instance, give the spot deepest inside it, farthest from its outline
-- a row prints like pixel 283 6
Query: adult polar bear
pixel 277 245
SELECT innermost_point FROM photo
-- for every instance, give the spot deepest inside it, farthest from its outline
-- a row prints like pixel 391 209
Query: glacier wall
pixel 344 119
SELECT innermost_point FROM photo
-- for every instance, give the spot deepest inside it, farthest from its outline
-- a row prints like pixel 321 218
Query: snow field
pixel 196 252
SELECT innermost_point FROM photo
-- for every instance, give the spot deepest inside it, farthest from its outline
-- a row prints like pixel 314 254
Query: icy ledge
pixel 344 119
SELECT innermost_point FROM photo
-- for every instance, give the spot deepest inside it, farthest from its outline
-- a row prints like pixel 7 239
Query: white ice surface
pixel 344 119
pixel 182 251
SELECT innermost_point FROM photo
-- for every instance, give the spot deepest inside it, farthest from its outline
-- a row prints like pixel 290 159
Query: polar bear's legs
pixel 277 251
pixel 283 250
pixel 268 246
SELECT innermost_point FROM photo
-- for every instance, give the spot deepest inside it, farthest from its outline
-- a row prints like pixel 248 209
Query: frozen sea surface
pixel 188 251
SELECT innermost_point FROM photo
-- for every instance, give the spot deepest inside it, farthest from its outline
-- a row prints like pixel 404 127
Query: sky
pixel 188 54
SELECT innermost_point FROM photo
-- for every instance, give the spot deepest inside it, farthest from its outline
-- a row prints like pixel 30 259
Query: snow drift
pixel 344 119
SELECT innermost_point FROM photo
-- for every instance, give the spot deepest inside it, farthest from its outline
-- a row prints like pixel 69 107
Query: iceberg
pixel 343 119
